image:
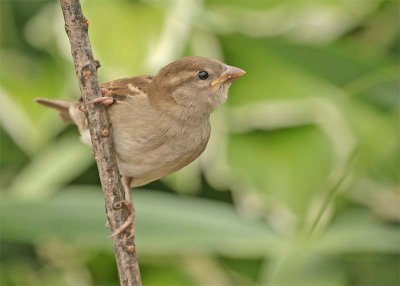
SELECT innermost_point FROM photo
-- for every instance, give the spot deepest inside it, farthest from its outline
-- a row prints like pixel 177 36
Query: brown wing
pixel 120 89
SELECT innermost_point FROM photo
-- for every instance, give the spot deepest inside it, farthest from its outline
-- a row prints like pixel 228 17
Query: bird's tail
pixel 62 106
pixel 70 112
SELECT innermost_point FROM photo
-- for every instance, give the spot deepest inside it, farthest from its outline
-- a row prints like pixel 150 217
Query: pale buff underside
pixel 149 145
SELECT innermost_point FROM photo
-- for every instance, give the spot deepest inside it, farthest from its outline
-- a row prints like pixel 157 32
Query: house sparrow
pixel 160 123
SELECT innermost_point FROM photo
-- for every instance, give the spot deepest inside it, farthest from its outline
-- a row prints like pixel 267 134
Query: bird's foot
pixel 106 101
pixel 128 223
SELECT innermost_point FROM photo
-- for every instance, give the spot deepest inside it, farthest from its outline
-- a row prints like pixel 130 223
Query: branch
pixel 76 27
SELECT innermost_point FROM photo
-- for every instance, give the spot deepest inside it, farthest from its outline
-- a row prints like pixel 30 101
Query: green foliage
pixel 299 184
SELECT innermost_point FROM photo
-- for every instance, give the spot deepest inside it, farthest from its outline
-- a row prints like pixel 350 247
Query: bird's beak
pixel 230 74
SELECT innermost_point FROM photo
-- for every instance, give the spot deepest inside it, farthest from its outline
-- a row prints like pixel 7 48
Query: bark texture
pixel 76 27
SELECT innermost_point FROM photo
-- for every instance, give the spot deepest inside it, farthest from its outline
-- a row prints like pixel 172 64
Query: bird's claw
pixel 128 223
pixel 106 101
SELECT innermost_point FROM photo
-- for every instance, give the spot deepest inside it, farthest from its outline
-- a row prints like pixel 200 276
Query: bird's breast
pixel 150 149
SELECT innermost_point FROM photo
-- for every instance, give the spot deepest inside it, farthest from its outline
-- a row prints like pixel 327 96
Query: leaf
pixel 292 169
pixel 302 267
pixel 126 46
pixel 313 260
pixel 284 166
pixel 52 168
pixel 27 78
pixel 26 122
pixel 315 22
pixel 357 231
pixel 336 63
pixel 166 224
pixel 240 5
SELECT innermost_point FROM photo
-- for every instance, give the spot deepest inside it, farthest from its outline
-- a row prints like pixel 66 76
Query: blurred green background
pixel 299 184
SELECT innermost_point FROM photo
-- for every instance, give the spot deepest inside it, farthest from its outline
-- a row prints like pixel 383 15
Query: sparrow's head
pixel 197 84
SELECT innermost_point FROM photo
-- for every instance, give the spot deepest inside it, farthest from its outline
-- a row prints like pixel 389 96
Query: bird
pixel 160 123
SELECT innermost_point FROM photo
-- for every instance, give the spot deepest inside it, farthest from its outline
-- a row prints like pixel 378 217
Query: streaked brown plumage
pixel 160 123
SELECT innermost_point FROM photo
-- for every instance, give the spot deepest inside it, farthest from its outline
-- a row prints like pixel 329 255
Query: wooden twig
pixel 76 27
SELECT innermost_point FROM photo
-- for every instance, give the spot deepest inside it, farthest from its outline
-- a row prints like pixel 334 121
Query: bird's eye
pixel 203 75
